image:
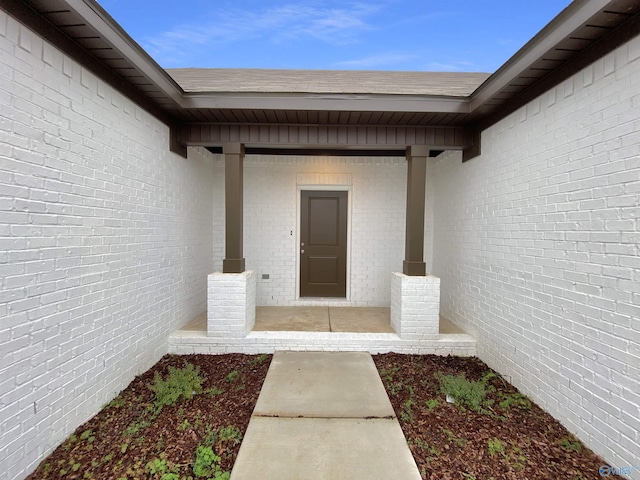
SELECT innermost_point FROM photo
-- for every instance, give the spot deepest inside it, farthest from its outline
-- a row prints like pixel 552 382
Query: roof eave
pixel 104 23
pixel 327 102
pixel 570 19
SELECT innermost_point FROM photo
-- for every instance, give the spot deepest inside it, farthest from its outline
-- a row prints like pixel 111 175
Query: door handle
pixel 301 252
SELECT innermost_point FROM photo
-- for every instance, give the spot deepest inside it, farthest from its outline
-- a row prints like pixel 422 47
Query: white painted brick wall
pixel 415 306
pixel 184 342
pixel 377 196
pixel 105 244
pixel 537 246
pixel 231 311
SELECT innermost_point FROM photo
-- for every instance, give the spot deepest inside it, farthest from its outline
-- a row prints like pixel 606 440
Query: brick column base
pixel 415 306
pixel 231 304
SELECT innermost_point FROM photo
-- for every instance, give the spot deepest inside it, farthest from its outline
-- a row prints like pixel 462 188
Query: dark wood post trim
pixel 233 158
pixel 413 263
pixel 474 142
pixel 175 140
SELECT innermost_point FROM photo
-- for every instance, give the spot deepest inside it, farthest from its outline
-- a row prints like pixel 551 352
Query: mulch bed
pixel 120 444
pixel 516 442
pixel 449 443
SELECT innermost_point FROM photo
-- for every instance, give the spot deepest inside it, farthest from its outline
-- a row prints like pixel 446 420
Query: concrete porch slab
pixel 324 448
pixel 360 319
pixel 322 319
pixel 299 319
pixel 323 385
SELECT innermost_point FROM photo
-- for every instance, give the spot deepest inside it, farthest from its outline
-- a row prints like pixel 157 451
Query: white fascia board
pixel 327 102
pixel 570 19
pixel 99 19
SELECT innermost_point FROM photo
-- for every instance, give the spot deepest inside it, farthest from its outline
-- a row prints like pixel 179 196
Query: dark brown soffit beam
pixel 322 137
pixel 32 19
pixel 324 152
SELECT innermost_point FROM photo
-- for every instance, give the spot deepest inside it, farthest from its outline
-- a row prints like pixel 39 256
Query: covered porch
pixel 278 182
pixel 381 225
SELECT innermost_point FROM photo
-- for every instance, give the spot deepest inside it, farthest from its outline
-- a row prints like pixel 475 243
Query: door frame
pixel 329 188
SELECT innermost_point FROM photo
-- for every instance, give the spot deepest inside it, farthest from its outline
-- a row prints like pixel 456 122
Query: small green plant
pixel 460 441
pixel 496 446
pixel 431 451
pixel 117 402
pixel 232 376
pixel 518 460
pixel 259 359
pixel 211 437
pixel 213 391
pixel 107 458
pixel 70 443
pixel 468 476
pixel 432 404
pixel 467 394
pixel 185 425
pixel 181 384
pixel 387 374
pixel 224 434
pixel 138 425
pixel 88 436
pixel 395 388
pixel 388 378
pixel 160 468
pixel 235 377
pixel 228 433
pixel 570 443
pixel 160 444
pixel 514 400
pixel 197 421
pixel 207 464
pixel 406 415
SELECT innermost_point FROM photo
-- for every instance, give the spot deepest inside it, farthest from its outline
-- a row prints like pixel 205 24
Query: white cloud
pixel 456 66
pixel 380 60
pixel 337 25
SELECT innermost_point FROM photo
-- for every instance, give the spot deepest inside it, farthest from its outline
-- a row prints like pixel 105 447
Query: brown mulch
pixel 122 445
pixel 447 443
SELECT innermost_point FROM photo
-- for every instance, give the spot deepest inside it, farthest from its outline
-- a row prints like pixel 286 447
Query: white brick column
pixel 415 306
pixel 231 304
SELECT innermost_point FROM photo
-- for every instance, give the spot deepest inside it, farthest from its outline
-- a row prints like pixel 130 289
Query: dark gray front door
pixel 323 244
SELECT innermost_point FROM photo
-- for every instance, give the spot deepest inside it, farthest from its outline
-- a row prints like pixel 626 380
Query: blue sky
pixel 419 35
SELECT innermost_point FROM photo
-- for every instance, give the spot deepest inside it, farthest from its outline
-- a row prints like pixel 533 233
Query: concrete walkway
pixel 323 416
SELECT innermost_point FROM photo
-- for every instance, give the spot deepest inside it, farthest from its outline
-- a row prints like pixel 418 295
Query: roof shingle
pixel 241 80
